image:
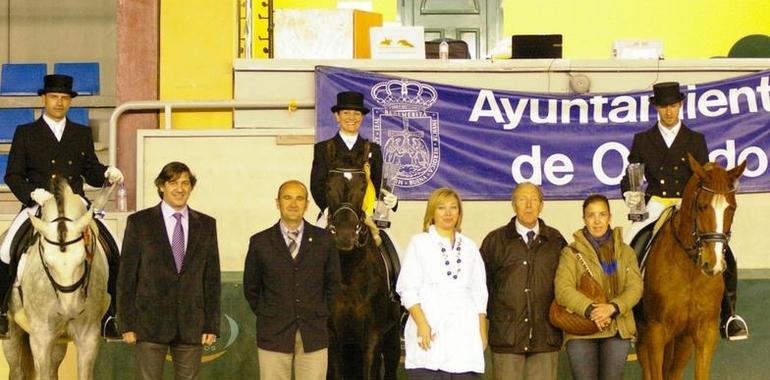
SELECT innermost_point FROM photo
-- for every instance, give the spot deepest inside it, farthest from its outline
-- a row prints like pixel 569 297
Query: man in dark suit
pixel 290 278
pixel 169 282
pixel 51 146
pixel 663 150
pixel 347 148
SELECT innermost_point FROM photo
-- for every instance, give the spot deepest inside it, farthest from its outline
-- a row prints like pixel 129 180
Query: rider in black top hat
pixel 663 150
pixel 48 147
pixel 347 144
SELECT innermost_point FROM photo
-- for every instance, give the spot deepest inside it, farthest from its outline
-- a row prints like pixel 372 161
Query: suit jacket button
pixel 664 193
pixel 677 193
pixel 53 175
pixel 69 162
pixel 663 181
pixel 296 300
pixel 53 161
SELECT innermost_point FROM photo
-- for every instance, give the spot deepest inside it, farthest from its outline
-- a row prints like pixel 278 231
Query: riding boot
pixel 5 291
pixel 110 330
pixel 732 325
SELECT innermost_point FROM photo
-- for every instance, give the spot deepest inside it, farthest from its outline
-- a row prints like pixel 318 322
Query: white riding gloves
pixel 40 196
pixel 389 199
pixel 633 198
pixel 114 175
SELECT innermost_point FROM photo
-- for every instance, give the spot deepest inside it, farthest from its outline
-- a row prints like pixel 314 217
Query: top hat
pixel 666 93
pixel 350 100
pixel 57 83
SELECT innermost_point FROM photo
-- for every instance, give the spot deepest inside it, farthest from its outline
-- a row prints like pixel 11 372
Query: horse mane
pixel 59 184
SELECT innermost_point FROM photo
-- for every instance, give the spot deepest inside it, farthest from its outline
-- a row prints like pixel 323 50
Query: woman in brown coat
pixel 601 355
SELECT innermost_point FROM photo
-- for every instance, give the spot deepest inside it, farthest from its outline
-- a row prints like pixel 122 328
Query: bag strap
pixel 582 261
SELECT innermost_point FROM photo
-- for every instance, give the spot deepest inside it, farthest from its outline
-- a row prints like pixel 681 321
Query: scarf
pixel 605 249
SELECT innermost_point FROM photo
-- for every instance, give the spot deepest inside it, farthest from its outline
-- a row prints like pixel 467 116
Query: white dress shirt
pixel 57 127
pixel 349 140
pixel 451 305
pixel 522 229
pixel 669 135
pixel 170 221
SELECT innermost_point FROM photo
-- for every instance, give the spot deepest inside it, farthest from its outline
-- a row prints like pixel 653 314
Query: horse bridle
pixel 83 281
pixel 695 251
pixel 349 207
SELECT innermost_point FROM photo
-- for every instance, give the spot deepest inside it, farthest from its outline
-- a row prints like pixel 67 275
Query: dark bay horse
pixel 683 283
pixel 364 324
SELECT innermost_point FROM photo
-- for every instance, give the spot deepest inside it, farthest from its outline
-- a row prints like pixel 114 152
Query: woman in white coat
pixel 443 285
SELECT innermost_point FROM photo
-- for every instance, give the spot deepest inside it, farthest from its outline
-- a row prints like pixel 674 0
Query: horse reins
pixel 84 279
pixel 695 251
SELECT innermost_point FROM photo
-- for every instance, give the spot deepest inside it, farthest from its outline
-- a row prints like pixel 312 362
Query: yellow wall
pixel 688 28
pixel 198 42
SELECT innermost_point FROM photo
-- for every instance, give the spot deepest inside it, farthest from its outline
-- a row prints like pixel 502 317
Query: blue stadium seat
pixel 3 166
pixel 78 115
pixel 10 118
pixel 85 75
pixel 22 78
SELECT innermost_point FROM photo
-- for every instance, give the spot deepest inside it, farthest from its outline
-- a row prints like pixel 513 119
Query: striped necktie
pixel 293 246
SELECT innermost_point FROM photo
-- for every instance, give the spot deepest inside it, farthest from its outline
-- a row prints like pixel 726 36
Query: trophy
pixel 381 215
pixel 638 211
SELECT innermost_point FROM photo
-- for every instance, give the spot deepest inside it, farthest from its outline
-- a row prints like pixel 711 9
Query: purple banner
pixel 482 142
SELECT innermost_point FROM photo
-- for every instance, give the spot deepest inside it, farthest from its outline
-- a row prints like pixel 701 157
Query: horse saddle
pixel 643 240
pixel 392 263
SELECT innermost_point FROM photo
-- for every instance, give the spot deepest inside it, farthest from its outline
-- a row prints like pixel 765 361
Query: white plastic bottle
pixel 443 50
pixel 122 198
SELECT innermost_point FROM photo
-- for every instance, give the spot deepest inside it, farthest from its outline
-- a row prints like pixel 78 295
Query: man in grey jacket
pixel 521 259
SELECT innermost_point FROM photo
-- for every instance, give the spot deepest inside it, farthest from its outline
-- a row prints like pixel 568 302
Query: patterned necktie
pixel 293 246
pixel 177 242
pixel 530 238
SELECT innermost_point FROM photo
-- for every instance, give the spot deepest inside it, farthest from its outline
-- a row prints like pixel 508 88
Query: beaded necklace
pixel 457 260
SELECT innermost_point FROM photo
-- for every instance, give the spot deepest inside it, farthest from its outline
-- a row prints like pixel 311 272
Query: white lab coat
pixel 451 306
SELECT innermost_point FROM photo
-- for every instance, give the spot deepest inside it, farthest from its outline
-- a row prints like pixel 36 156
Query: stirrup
pixel 107 335
pixel 736 319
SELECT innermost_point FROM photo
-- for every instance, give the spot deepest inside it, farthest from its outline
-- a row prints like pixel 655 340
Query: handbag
pixel 575 323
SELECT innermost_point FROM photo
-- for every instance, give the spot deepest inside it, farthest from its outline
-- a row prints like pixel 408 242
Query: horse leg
pixel 391 352
pixel 654 344
pixel 334 362
pixel 683 348
pixel 372 354
pixel 42 344
pixel 705 345
pixel 87 343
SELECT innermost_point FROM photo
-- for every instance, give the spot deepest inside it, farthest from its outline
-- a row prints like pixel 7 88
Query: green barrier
pixel 234 356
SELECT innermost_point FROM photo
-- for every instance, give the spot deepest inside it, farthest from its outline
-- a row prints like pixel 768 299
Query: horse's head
pixel 344 195
pixel 61 226
pixel 708 206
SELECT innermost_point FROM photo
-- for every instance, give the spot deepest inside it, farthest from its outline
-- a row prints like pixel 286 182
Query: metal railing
pixel 168 106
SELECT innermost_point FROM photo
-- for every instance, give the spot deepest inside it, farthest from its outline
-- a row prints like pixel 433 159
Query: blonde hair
pixel 437 197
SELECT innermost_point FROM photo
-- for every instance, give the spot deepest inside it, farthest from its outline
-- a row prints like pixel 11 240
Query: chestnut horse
pixel 683 282
pixel 364 328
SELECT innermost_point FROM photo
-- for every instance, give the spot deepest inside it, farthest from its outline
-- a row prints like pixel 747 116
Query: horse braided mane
pixel 58 184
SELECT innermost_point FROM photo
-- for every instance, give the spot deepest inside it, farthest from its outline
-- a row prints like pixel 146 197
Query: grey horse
pixel 63 292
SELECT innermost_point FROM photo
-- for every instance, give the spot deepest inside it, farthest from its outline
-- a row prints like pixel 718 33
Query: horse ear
pixel 695 166
pixel 736 172
pixel 38 224
pixel 83 222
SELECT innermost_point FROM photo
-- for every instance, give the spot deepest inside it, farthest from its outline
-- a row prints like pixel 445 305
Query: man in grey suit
pixel 169 281
pixel 291 275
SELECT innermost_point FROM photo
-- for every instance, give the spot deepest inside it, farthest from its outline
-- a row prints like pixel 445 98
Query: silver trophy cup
pixel 381 215
pixel 638 211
